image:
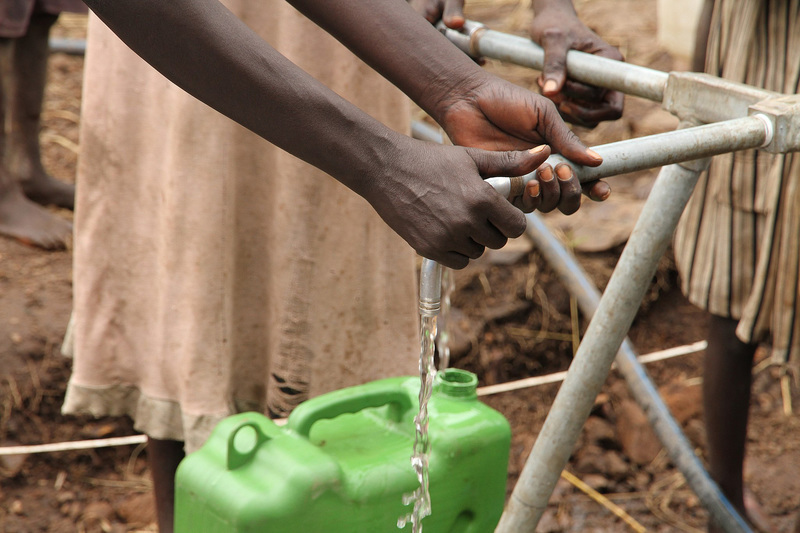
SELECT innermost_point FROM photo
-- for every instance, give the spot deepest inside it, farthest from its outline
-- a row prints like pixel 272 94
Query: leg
pixel 163 457
pixel 25 108
pixel 20 218
pixel 727 376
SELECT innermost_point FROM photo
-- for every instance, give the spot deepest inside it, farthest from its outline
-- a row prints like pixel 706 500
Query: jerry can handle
pixel 345 401
pixel 242 450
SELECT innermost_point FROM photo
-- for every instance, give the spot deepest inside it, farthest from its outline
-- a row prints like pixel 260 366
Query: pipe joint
pixel 781 116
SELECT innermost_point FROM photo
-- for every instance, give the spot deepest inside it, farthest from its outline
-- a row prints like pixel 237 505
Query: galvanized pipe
pixel 430 288
pixel 621 157
pixel 664 148
pixel 76 47
pixel 478 41
pixel 593 359
pixel 641 386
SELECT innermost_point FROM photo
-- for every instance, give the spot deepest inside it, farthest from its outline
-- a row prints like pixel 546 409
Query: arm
pixel 554 194
pixel 442 80
pixel 431 195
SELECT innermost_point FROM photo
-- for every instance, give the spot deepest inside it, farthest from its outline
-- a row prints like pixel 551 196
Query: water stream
pixel 421 498
pixel 443 338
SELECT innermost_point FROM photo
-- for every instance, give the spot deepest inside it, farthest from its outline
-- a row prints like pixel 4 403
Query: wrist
pixel 442 97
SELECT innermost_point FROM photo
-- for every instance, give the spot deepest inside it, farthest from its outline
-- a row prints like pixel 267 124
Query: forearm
pixel 397 42
pixel 203 48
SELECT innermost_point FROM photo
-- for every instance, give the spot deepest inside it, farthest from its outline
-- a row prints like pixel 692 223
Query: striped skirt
pixel 737 245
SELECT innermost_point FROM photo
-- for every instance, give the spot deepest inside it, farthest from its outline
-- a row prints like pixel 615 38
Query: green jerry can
pixel 342 464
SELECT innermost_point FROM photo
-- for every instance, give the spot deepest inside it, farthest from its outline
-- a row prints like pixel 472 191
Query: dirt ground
pixel 511 319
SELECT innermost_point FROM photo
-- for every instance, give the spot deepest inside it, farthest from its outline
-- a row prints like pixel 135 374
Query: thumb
pixel 453 15
pixel 554 72
pixel 503 215
pixel 511 163
pixel 564 141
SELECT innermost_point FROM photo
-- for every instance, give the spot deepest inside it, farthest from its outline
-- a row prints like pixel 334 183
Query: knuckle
pixel 553 33
pixel 518 228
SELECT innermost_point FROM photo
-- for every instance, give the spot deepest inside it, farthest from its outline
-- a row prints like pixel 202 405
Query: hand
pixel 494 114
pixel 451 12
pixel 434 197
pixel 557 29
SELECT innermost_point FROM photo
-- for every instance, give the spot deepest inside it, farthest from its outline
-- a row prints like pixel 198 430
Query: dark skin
pixel 24 184
pixel 727 373
pixel 557 29
pixel 163 458
pixel 432 195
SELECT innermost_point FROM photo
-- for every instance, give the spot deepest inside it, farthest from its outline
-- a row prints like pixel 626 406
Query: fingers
pixel 560 189
pixel 578 106
pixel 597 190
pixel 580 91
pixel 430 9
pixel 570 189
pixel 563 139
pixel 453 14
pixel 452 260
pixel 609 51
pixel 549 193
pixel 489 236
pixel 554 72
pixel 531 197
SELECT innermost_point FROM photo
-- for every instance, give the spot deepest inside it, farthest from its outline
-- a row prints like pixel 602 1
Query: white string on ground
pixel 482 391
pixel 73 445
pixel 559 376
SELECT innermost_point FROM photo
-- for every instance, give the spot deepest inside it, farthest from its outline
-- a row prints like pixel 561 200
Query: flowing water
pixel 443 339
pixel 421 498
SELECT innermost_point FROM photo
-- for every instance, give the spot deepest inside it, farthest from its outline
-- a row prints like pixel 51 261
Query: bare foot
pixel 46 190
pixel 28 222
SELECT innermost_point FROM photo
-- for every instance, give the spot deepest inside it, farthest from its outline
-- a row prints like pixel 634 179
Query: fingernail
pixel 546 174
pixel 594 154
pixel 533 189
pixel 564 172
pixel 456 22
pixel 550 86
pixel 537 149
pixel 601 197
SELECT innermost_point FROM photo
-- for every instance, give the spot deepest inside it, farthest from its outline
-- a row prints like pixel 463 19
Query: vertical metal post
pixel 642 389
pixel 594 357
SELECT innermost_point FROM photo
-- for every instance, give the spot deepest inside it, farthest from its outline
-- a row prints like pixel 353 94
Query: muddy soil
pixel 511 319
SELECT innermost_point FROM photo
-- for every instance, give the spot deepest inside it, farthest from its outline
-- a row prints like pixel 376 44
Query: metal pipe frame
pixel 694 98
pixel 75 47
pixel 642 389
pixel 588 297
pixel 479 41
pixel 664 149
pixel 596 353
